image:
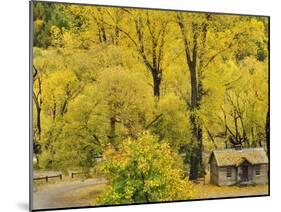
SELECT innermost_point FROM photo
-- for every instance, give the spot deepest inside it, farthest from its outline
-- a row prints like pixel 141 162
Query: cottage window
pixel 258 170
pixel 228 172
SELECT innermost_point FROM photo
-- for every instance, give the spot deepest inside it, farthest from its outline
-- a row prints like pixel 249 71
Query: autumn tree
pixel 208 40
pixel 126 102
pixel 243 103
pixel 143 171
pixel 170 123
pixel 147 36
pixel 59 86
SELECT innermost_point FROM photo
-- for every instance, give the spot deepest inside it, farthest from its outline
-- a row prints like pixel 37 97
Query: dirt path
pixel 212 191
pixel 83 193
pixel 53 196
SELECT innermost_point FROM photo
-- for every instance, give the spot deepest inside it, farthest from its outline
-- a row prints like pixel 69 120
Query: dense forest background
pixel 148 91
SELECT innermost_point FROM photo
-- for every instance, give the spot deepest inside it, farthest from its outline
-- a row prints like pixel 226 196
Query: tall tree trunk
pixel 196 164
pixel 38 104
pixel 36 144
pixel 156 83
pixel 39 122
pixel 267 132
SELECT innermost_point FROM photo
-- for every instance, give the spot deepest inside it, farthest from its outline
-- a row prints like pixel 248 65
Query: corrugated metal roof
pixel 233 157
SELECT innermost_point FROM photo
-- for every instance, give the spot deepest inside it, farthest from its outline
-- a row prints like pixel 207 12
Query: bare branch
pixel 35 73
pixel 36 101
pixel 153 121
pixel 224 49
pixel 211 137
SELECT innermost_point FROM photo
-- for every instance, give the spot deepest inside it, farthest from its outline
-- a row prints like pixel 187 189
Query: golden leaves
pixel 144 170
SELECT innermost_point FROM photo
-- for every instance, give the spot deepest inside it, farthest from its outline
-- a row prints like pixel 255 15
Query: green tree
pixel 143 171
pixel 46 15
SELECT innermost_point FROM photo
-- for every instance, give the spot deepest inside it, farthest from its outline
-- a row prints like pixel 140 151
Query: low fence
pixel 46 178
pixel 72 175
pixel 78 173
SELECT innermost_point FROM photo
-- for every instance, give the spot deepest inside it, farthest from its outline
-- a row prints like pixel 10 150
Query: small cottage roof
pixel 233 157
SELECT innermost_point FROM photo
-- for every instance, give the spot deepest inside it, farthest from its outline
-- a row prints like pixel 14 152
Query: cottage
pixel 238 166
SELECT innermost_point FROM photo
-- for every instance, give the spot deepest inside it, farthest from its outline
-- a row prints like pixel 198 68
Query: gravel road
pixel 52 196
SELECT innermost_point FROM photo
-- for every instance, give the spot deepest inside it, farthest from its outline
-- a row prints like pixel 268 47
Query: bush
pixel 142 171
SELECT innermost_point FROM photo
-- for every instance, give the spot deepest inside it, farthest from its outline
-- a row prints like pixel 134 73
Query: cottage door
pixel 245 173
